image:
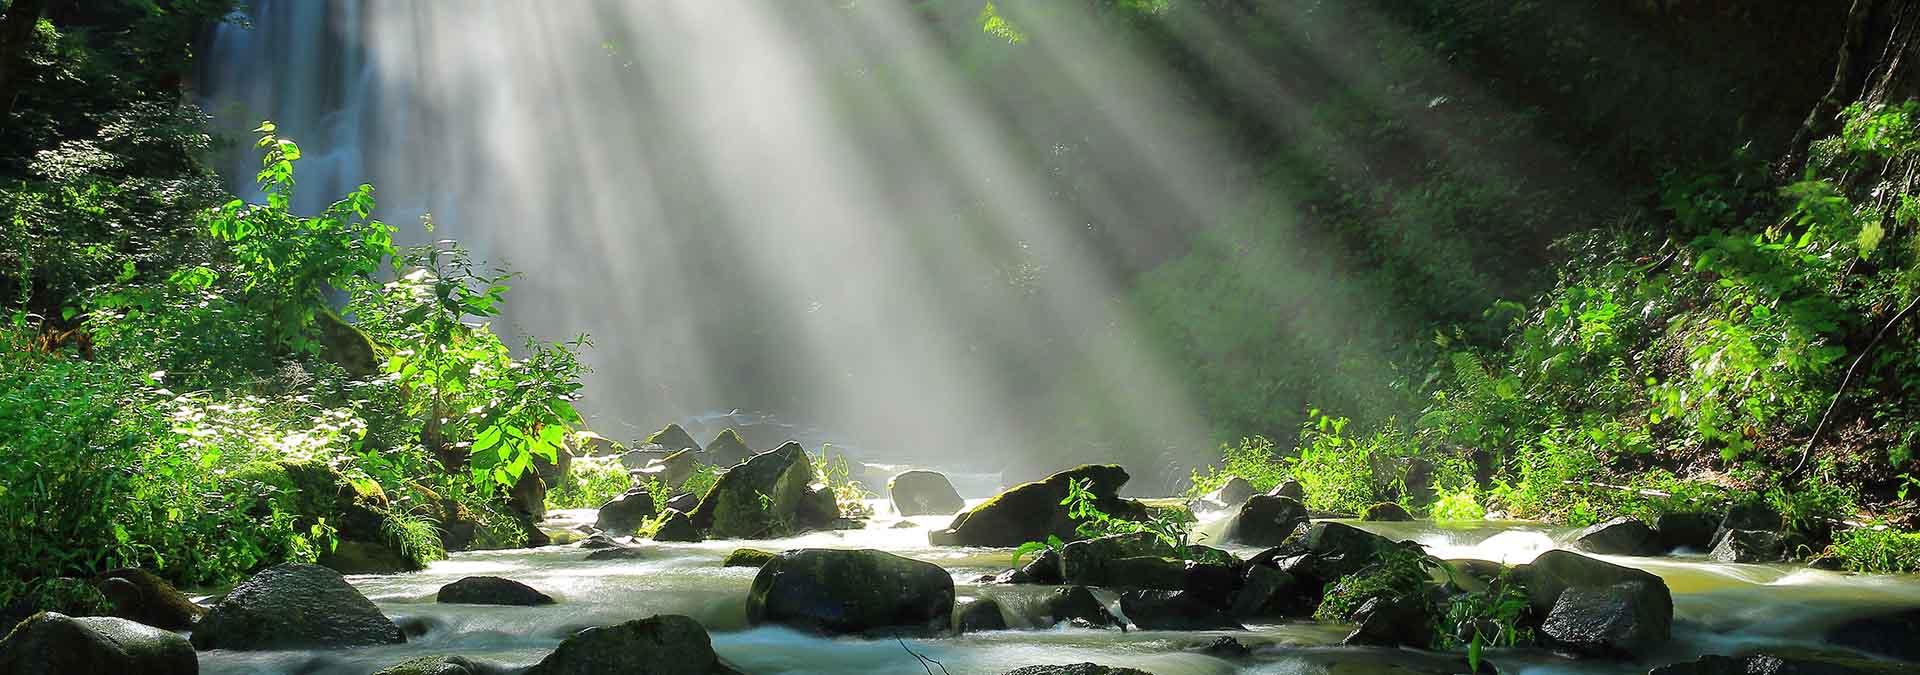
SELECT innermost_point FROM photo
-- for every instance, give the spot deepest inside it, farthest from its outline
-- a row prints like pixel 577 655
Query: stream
pixel 1719 608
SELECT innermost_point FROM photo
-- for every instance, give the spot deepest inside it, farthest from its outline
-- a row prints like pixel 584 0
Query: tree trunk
pixel 16 34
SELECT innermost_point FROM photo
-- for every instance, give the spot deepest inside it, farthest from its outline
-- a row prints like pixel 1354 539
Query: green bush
pixel 592 482
pixel 1877 550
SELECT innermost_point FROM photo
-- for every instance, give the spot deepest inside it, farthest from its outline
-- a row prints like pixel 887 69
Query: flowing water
pixel 1719 608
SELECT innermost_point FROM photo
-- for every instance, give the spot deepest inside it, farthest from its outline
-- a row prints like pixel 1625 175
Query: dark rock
pixel 1386 512
pixel 1210 555
pixel 1555 571
pixel 554 472
pixel 758 498
pixel 666 644
pixel 1620 536
pixel 979 615
pixel 672 437
pixel 1749 546
pixel 818 511
pixel 528 496
pixel 727 449
pixel 1891 635
pixel 1082 562
pixel 294 606
pixel 620 553
pixel 1147 571
pixel 1045 568
pixel 1391 622
pixel 1263 591
pixel 837 592
pixel 676 526
pixel 1419 482
pixel 1621 619
pixel 1783 664
pixel 598 541
pixel 1337 549
pixel 49 642
pixel 924 493
pixel 626 513
pixel 1233 493
pixel 491 591
pixel 1076 669
pixel 747 557
pixel 359 557
pixel 141 596
pixel 1752 515
pixel 444 665
pixel 1225 647
pixel 1685 530
pixel 903 525
pixel 1174 610
pixel 1078 603
pixel 684 502
pixel 1266 521
pixel 1473 575
pixel 1291 489
pixel 1032 511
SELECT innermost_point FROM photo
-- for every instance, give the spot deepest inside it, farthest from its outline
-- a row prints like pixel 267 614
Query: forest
pixel 972 336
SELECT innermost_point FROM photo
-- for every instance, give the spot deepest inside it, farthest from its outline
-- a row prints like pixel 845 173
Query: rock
pixel 626 513
pixel 1210 555
pixel 1076 669
pixel 1291 489
pixel 1391 622
pixel 666 644
pixel 1553 572
pixel 1783 664
pixel 924 493
pixel 528 496
pixel 1621 619
pixel 49 642
pixel 1225 647
pixel 1077 603
pixel 491 591
pixel 1419 482
pixel 684 502
pixel 1338 549
pixel 672 437
pixel 294 606
pixel 838 592
pixel 359 557
pixel 1692 531
pixel 979 615
pixel 673 468
pixel 727 449
pixel 758 498
pixel 903 525
pixel 1263 592
pixel 620 553
pixel 443 665
pixel 638 459
pixel 1620 536
pixel 598 541
pixel 557 471
pixel 676 526
pixel 1386 512
pixel 747 557
pixel 141 596
pixel 1748 546
pixel 1473 575
pixel 818 510
pixel 1082 561
pixel 1045 568
pixel 1753 515
pixel 1266 521
pixel 1174 610
pixel 1891 635
pixel 1032 511
pixel 1234 492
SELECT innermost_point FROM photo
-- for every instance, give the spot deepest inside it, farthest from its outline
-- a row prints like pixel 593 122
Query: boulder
pixel 528 496
pixel 491 591
pixel 1617 608
pixel 1174 610
pixel 676 526
pixel 1266 521
pixel 1291 489
pixel 294 606
pixel 818 510
pixel 1386 512
pixel 758 498
pixel 1336 550
pixel 626 513
pixel 1783 664
pixel 684 502
pixel 671 469
pixel 1032 511
pixel 836 592
pixel 1620 536
pixel 50 642
pixel 557 471
pixel 1391 622
pixel 638 459
pixel 672 437
pixel 979 615
pixel 1078 603
pixel 444 665
pixel 618 553
pixel 747 557
pixel 727 449
pixel 666 644
pixel 1045 568
pixel 1419 482
pixel 1692 531
pixel 598 541
pixel 141 596
pixel 1234 492
pixel 1749 546
pixel 1076 669
pixel 1891 635
pixel 1225 647
pixel 359 557
pixel 1082 562
pixel 1263 591
pixel 924 493
pixel 1752 515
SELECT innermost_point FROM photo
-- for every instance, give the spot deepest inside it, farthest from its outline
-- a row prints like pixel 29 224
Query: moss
pixel 747 557
pixel 672 437
pixel 1031 511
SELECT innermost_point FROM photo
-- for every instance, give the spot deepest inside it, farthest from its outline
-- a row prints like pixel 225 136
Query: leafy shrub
pixel 592 482
pixel 1457 506
pixel 848 494
pixel 1396 573
pixel 1877 550
pixel 1253 460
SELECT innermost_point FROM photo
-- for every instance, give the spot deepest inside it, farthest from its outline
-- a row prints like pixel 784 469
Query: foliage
pixel 1460 505
pixel 701 479
pixel 594 481
pixel 1495 616
pixel 1053 543
pixel 1252 459
pixel 1877 550
pixel 1396 573
pixel 831 470
pixel 1083 506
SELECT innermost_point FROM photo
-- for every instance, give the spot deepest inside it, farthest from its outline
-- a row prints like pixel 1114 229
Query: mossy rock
pixel 759 498
pixel 839 592
pixel 347 346
pixel 728 449
pixel 55 643
pixel 1032 511
pixel 311 490
pixel 747 557
pixel 443 665
pixel 676 526
pixel 665 643
pixel 672 437
pixel 1386 512
pixel 1084 562
pixel 359 557
pixel 142 596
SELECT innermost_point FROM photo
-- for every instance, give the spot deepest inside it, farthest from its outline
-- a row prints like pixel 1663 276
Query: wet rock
pixel 1555 571
pixel 491 591
pixel 1234 492
pixel 1263 591
pixel 667 644
pixel 1620 619
pixel 1419 482
pixel 747 557
pixel 1693 531
pixel 359 557
pixel 758 498
pixel 1753 515
pixel 819 511
pixel 1386 512
pixel 980 615
pixel 672 437
pixel 49 642
pixel 684 502
pixel 1266 521
pixel 677 526
pixel 1291 489
pixel 1391 622
pixel 626 513
pixel 903 525
pixel 598 541
pixel 1782 664
pixel 528 496
pixel 727 449
pixel 1076 669
pixel 1225 647
pixel 837 592
pixel 1749 546
pixel 1078 603
pixel 444 665
pixel 1891 635
pixel 554 472
pixel 141 596
pixel 1083 562
pixel 1174 610
pixel 294 606
pixel 924 493
pixel 1337 549
pixel 1045 568
pixel 1210 555
pixel 1620 536
pixel 1032 511
pixel 622 552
